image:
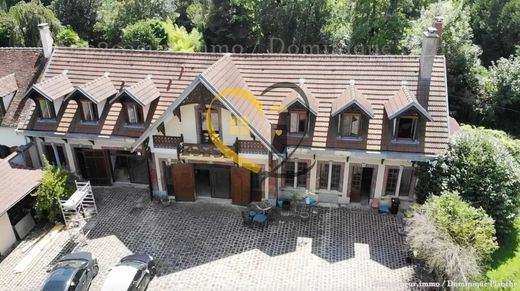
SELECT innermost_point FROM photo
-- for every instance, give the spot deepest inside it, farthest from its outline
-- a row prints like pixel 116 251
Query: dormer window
pixel 406 127
pixel 134 114
pixel 45 109
pixel 89 111
pixel 215 123
pixel 298 122
pixel 349 124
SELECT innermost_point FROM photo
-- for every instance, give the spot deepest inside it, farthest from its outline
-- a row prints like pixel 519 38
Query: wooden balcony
pixel 250 147
pixel 166 142
pixel 197 149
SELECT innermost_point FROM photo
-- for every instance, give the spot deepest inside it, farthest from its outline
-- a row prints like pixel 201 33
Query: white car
pixel 132 273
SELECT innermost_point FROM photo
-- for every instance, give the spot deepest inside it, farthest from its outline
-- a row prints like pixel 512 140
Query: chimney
pixel 439 25
pixel 46 38
pixel 429 50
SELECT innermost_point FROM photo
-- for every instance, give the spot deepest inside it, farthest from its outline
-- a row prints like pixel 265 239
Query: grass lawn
pixel 506 260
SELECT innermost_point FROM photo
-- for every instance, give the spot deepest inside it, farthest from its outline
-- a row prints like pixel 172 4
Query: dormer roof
pixel 53 88
pixel 403 101
pixel 351 97
pixel 8 85
pixel 142 92
pixel 294 97
pixel 97 90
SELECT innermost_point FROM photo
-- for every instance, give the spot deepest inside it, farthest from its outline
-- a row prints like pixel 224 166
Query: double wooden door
pixel 95 166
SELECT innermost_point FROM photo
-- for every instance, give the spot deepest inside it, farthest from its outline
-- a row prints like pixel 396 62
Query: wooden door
pixel 240 186
pixel 220 182
pixel 97 167
pixel 183 182
pixel 355 188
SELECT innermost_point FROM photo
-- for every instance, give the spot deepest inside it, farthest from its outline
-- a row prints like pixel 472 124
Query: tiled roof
pixel 16 183
pixel 98 89
pixel 402 101
pixel 25 64
pixel 143 92
pixel 8 85
pixel 351 96
pixel 378 79
pixel 55 87
pixel 295 97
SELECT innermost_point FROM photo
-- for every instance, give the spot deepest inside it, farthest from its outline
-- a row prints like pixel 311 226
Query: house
pixel 19 68
pixel 18 180
pixel 243 126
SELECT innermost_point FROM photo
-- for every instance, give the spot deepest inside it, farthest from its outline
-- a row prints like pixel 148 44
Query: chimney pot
pixel 439 25
pixel 46 39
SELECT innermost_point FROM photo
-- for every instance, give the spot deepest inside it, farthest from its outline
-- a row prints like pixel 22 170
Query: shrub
pixel 453 238
pixel 56 184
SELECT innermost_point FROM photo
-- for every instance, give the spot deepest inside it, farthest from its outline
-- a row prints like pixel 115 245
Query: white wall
pixel 8 137
pixel 7 239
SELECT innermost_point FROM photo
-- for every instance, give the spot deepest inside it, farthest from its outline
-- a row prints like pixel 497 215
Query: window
pixel 55 155
pixel 406 127
pixel 89 111
pixel 349 125
pixel 391 181
pixel 133 113
pixel 46 111
pixel 298 122
pixel 406 182
pixel 295 174
pixel 77 280
pixel 330 176
pixel 215 124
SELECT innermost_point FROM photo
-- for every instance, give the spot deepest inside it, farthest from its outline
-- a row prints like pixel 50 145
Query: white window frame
pixel 397 122
pixel 45 114
pixel 90 115
pixel 134 117
pixel 295 179
pixel 349 115
pixel 329 176
pixel 397 186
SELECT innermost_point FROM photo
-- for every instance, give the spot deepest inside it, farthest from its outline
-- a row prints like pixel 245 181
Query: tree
pixel 453 238
pixel 156 35
pixel 56 184
pixel 114 15
pixel 479 167
pixel 500 99
pixel 462 56
pixel 26 17
pixel 229 27
pixel 79 14
pixel 7 30
pixel 496 24
pixel 68 37
pixel 378 26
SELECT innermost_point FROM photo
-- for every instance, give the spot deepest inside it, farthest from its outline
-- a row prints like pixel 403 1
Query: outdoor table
pixel 263 206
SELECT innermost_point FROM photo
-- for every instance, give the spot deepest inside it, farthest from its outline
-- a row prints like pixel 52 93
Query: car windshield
pixel 73 264
pixel 133 263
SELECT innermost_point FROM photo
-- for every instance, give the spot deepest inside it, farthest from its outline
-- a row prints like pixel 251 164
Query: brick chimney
pixel 439 25
pixel 429 50
pixel 46 38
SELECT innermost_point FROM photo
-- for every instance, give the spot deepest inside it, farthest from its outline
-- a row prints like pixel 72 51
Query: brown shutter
pixel 183 182
pixel 240 186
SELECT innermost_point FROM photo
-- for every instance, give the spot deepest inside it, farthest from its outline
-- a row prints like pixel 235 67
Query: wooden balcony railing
pixel 200 149
pixel 250 147
pixel 166 142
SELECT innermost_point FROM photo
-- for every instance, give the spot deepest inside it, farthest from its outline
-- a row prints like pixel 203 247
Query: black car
pixel 132 273
pixel 74 272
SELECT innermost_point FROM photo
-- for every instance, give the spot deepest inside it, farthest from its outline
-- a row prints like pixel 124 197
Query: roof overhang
pixel 411 105
pixel 353 102
pixel 129 94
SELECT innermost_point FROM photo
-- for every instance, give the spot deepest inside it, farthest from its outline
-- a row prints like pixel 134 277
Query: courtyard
pixel 204 245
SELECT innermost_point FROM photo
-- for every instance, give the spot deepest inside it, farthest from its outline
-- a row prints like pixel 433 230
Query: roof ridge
pixel 6 76
pixel 140 51
pixel 21 48
pixel 92 81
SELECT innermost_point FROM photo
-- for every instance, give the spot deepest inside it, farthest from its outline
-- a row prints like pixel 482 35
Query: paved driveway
pixel 204 246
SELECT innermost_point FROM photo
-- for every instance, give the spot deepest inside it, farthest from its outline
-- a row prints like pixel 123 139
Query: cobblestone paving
pixel 204 246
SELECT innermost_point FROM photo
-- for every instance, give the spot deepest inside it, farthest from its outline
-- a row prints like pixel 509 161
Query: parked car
pixel 74 271
pixel 132 273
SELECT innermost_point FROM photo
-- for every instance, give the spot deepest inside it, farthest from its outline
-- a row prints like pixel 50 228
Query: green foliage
pixel 482 169
pixel 500 98
pixel 26 17
pixel 467 226
pixel 378 25
pixel 462 56
pixel 68 37
pixel 496 24
pixel 7 30
pixel 56 184
pixel 229 24
pixel 79 14
pixel 338 27
pixel 159 35
pixel 114 15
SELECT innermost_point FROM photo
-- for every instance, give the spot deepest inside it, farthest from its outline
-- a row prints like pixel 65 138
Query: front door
pixel 240 186
pixel 95 166
pixel 184 182
pixel 366 183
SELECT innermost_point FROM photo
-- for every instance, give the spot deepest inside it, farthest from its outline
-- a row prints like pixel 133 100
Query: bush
pixel 68 37
pixel 453 238
pixel 149 34
pixel 57 184
pixel 479 167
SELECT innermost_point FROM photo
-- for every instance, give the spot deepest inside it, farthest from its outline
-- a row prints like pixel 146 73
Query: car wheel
pixel 95 270
pixel 153 271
